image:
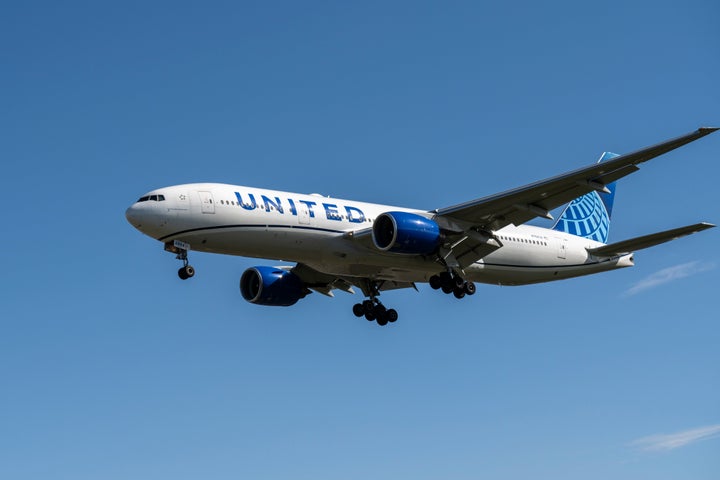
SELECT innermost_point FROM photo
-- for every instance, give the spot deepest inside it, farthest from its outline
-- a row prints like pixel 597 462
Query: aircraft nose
pixel 133 216
pixel 147 216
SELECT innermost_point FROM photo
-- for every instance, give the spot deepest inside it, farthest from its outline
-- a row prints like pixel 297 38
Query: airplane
pixel 340 244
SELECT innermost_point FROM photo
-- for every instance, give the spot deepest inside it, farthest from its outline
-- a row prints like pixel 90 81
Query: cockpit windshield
pixel 152 198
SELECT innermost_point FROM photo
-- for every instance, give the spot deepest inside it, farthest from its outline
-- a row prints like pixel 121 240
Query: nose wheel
pixel 186 271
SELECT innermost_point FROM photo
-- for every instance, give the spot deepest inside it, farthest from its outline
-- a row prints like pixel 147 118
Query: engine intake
pixel 271 287
pixel 402 232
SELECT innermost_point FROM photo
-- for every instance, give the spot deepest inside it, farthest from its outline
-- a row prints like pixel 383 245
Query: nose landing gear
pixel 180 249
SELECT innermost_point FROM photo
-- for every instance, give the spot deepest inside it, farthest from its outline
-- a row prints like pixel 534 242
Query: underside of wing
pixel 318 281
pixel 325 283
pixel 646 241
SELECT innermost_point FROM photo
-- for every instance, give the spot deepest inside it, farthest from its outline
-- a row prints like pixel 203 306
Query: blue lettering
pixel 246 206
pixel 309 205
pixel 359 216
pixel 268 203
pixel 331 212
pixel 293 210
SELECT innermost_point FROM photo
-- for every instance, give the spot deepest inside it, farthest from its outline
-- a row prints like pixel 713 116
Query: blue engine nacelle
pixel 271 286
pixel 402 232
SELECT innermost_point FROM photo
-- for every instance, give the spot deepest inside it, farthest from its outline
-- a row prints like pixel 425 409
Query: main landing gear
pixel 454 284
pixel 180 249
pixel 372 309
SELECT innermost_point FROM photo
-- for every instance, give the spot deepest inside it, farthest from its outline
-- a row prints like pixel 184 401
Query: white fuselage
pixel 314 230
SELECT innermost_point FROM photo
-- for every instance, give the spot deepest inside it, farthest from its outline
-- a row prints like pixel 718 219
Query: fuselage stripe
pixel 220 227
pixel 555 267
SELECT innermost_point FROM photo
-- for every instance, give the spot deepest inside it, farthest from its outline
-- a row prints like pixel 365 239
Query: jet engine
pixel 271 287
pixel 402 232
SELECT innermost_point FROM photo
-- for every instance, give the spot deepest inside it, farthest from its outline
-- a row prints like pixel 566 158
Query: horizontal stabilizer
pixel 627 246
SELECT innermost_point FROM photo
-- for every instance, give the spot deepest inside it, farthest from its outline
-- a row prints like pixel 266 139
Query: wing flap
pixel 319 281
pixel 470 255
pixel 646 241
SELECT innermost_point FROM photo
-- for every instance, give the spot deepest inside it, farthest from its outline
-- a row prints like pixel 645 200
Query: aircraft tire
pixel 358 310
pixel 368 306
pixel 435 282
pixel 186 272
pixel 391 315
pixel 447 289
pixel 469 288
pixel 382 320
pixel 459 293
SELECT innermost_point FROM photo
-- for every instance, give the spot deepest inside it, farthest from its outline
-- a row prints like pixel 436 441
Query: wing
pixel 646 241
pixel 473 222
pixel 519 205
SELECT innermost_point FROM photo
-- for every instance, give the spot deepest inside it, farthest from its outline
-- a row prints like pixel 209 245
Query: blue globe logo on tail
pixel 589 216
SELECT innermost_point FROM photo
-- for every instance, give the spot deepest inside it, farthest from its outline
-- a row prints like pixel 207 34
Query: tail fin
pixel 589 216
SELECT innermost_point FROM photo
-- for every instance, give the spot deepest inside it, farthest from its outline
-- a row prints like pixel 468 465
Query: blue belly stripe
pixel 221 227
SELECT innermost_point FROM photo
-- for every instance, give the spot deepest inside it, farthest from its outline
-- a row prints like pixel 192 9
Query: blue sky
pixel 111 367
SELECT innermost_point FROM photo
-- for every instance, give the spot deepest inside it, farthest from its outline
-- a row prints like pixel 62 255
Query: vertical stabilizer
pixel 589 216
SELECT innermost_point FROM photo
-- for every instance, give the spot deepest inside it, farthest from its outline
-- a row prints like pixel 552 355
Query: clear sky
pixel 111 367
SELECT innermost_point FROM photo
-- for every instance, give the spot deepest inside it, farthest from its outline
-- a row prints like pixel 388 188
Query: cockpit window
pixel 154 198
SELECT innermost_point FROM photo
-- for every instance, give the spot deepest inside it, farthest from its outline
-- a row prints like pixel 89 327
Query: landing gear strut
pixel 373 310
pixel 452 283
pixel 180 249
